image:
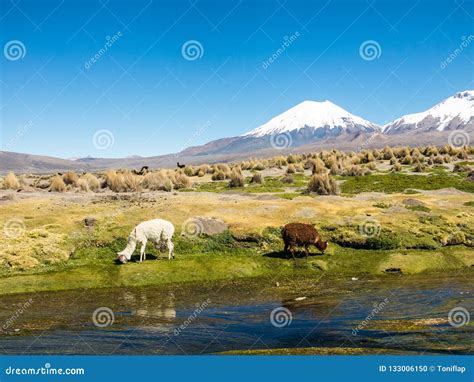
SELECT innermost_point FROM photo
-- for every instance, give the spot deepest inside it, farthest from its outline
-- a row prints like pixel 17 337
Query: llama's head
pixel 322 245
pixel 122 258
pixel 126 254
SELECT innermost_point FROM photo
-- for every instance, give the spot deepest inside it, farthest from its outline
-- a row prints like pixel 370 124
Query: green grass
pixel 393 182
pixel 469 203
pixel 271 185
pixel 222 257
pixel 418 208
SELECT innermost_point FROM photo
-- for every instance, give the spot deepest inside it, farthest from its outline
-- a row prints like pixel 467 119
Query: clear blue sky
pixel 154 101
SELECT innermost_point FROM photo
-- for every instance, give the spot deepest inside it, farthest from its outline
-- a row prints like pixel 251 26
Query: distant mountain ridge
pixel 308 126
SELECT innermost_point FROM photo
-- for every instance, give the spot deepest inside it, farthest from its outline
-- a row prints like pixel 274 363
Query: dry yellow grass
pixel 10 182
pixel 57 184
pixel 70 178
pixel 322 184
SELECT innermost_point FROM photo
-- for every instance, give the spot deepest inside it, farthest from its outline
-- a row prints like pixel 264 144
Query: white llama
pixel 158 231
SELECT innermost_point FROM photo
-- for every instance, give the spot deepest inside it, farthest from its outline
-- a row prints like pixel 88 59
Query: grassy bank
pixel 224 258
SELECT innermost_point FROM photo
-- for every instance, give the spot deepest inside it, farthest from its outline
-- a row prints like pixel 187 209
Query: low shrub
pixel 322 184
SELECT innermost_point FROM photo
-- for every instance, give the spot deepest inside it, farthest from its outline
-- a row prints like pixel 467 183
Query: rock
pixel 246 237
pixel 354 279
pixel 300 298
pixel 42 184
pixel 209 226
pixel 90 221
pixel 413 202
pixel 277 284
pixel 393 270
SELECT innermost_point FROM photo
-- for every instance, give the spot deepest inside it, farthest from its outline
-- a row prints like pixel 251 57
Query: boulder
pixel 207 226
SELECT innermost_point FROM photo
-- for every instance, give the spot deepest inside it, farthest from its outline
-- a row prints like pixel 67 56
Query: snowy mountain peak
pixel 453 113
pixel 313 115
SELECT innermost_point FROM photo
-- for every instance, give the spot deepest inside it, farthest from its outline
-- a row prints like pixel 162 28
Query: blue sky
pixel 151 98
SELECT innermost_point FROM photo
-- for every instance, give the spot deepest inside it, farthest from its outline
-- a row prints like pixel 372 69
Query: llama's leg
pixel 170 249
pixel 142 250
pixel 306 249
pixel 292 250
pixel 286 250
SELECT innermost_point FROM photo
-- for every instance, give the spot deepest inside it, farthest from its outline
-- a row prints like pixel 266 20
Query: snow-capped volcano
pixel 313 117
pixel 456 112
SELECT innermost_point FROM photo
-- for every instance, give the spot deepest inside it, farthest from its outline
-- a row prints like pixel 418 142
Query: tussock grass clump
pixel 419 167
pixel 236 179
pixel 323 184
pixel 219 175
pixel 82 185
pixel 189 171
pixel 458 167
pixel 181 181
pixel 157 181
pixel 57 184
pixel 10 182
pixel 92 181
pixel 70 178
pixel 397 167
pixel 132 182
pixel 288 178
pixel 356 170
pixel 223 167
pixel 123 181
pixel 259 166
pixel 290 169
pixel 257 178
